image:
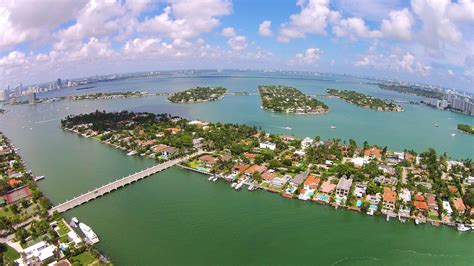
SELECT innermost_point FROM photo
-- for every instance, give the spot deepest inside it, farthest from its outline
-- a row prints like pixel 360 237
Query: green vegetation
pixel 8 255
pixel 285 99
pixel 106 96
pixel 365 101
pixel 198 94
pixel 412 89
pixel 466 128
pixel 84 258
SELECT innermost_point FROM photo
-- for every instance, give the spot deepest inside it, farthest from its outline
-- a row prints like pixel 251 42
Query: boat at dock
pixel 238 186
pixel 37 178
pixel 210 178
pixel 463 228
pixel 233 185
pixel 90 235
pixel 252 188
pixel 74 222
pixel 214 179
pixel 131 153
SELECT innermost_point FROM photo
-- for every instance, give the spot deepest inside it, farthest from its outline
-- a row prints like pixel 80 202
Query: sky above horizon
pixel 429 41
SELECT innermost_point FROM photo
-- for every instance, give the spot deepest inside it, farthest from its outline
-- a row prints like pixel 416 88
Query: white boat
pixel 251 187
pixel 37 178
pixel 215 179
pixel 131 153
pixel 239 186
pixel 333 127
pixel 233 185
pixel 417 222
pixel 436 125
pixel 463 228
pixel 210 178
pixel 287 128
pixel 453 134
pixel 74 222
pixel 90 235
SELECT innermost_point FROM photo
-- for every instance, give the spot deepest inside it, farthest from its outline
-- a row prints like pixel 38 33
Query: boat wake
pixel 49 120
pixel 286 128
pixel 425 254
pixel 346 259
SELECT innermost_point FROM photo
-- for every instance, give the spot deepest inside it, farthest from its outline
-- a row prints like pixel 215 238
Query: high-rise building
pixel 32 98
pixel 59 84
pixel 4 95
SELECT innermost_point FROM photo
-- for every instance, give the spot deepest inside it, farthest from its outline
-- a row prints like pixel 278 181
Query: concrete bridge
pixel 119 183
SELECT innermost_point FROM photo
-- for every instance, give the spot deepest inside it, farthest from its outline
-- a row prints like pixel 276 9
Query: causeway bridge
pixel 119 183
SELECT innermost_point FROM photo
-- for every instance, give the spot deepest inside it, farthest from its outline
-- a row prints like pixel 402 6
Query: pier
pixel 119 183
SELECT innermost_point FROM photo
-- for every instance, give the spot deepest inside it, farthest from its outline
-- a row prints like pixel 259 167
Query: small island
pixel 283 99
pixel 466 128
pixel 198 94
pixel 107 95
pixel 365 101
pixel 412 90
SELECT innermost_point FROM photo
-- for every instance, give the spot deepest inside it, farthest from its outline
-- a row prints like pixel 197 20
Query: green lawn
pixel 5 212
pixel 84 258
pixel 63 229
pixel 11 253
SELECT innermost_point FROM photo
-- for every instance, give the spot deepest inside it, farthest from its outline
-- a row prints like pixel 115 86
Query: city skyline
pixel 397 40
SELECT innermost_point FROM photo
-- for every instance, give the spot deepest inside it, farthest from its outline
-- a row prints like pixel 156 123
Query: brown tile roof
pixel 421 205
pixel 374 151
pixel 312 181
pixel 208 159
pixel 459 204
pixel 268 176
pixel 389 195
pixel 255 168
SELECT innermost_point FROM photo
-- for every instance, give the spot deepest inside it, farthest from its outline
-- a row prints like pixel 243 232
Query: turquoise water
pixel 178 217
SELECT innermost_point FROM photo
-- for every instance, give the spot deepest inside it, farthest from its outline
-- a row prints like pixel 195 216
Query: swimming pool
pixel 323 197
pixel 359 203
pixel 203 169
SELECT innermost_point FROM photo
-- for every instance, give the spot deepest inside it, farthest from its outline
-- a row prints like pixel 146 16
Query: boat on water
pixel 215 179
pixel 239 186
pixel 463 228
pixel 453 134
pixel 251 187
pixel 233 185
pixel 90 235
pixel 417 222
pixel 333 127
pixel 131 153
pixel 210 178
pixel 436 124
pixel 287 128
pixel 74 222
pixel 37 178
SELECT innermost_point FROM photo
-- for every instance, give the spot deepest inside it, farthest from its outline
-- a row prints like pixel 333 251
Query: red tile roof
pixel 255 168
pixel 312 181
pixel 208 159
pixel 12 182
pixel 250 155
pixel 327 187
pixel 268 176
pixel 240 167
pixel 459 204
pixel 419 197
pixel 17 195
pixel 389 195
pixel 373 152
pixel 421 205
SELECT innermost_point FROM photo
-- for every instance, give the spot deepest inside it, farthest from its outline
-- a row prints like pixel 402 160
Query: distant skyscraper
pixel 59 84
pixel 32 98
pixel 4 95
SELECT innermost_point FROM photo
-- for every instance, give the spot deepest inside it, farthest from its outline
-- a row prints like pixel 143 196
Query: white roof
pixel 74 237
pixel 40 250
pixel 447 207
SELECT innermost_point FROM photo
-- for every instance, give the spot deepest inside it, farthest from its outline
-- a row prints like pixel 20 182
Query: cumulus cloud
pixel 310 57
pixel 236 42
pixel 399 25
pixel 354 27
pixel 312 19
pixel 398 60
pixel 228 32
pixel 19 22
pixel 264 28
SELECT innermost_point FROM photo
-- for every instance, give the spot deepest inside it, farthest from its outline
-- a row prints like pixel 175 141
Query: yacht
pixel 215 179
pixel 239 185
pixel 453 134
pixel 251 187
pixel 37 178
pixel 131 153
pixel 74 222
pixel 233 185
pixel 333 127
pixel 417 222
pixel 287 128
pixel 210 178
pixel 463 228
pixel 90 235
pixel 436 124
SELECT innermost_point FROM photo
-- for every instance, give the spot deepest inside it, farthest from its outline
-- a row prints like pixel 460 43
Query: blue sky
pixel 427 41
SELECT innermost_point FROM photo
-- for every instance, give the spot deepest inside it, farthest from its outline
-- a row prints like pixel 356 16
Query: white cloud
pixel 228 32
pixel 19 22
pixel 463 10
pixel 450 72
pixel 238 42
pixel 187 19
pixel 264 28
pixel 310 57
pixel 354 27
pixel 312 19
pixel 399 25
pixel 368 9
pixel 397 60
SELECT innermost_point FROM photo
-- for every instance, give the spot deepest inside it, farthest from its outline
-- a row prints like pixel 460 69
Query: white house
pixel 359 161
pixel 267 145
pixel 405 195
pixel 306 142
pixel 447 207
pixel 41 251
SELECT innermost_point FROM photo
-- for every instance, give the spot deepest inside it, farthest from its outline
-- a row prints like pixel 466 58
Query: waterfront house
pixel 17 195
pixel 447 207
pixel 287 138
pixel 268 175
pixel 409 157
pixel 306 142
pixel 373 153
pixel 431 200
pixel 343 186
pixel 311 182
pixel 373 200
pixel 255 169
pixel 327 187
pixel 360 190
pixel 389 199
pixel 39 253
pixel 208 160
pixel 420 206
pixel 13 182
pixel 267 145
pixel 280 182
pixel 459 205
pixel 298 179
pixel 173 130
pixel 359 161
pixel 239 168
pixel 165 150
pixel 405 195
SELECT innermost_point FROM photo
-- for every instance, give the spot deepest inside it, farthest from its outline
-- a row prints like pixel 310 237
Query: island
pixel 466 128
pixel 30 234
pixel 424 187
pixel 365 101
pixel 422 91
pixel 107 95
pixel 198 94
pixel 284 99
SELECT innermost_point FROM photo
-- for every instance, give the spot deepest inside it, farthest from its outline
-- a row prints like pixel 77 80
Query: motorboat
pixel 90 235
pixel 463 228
